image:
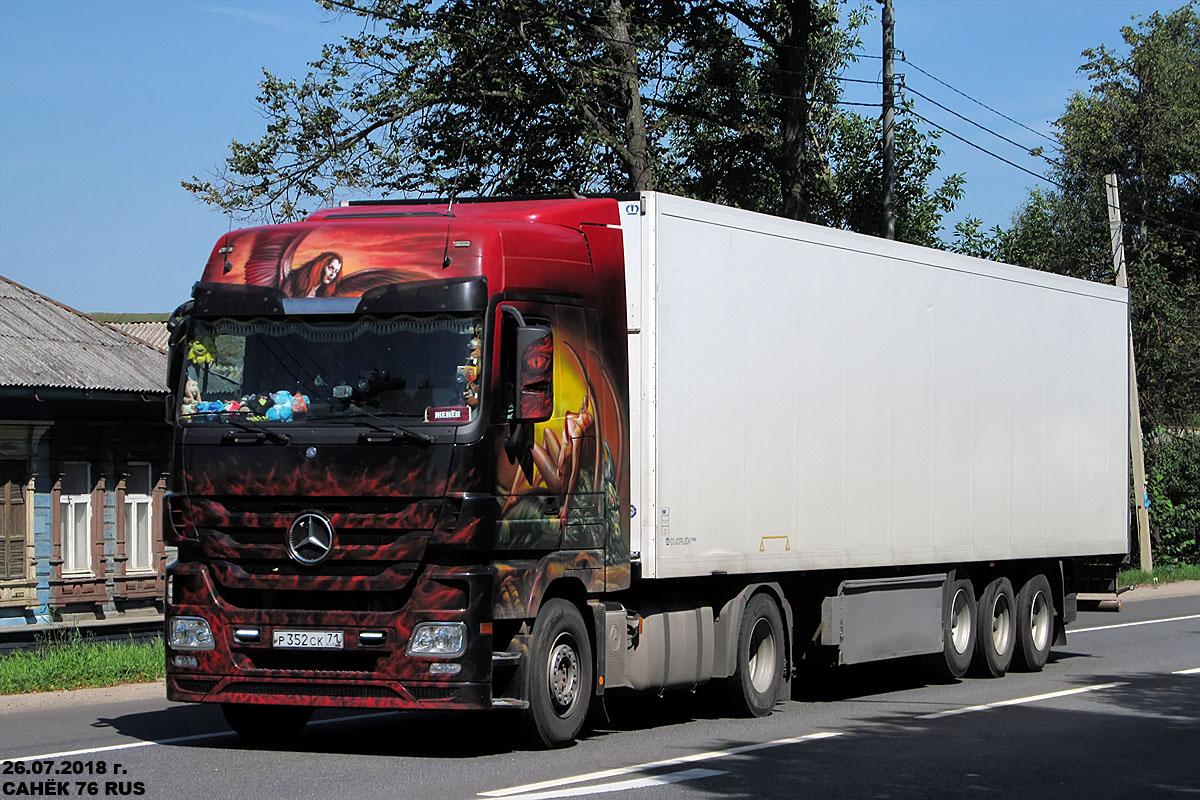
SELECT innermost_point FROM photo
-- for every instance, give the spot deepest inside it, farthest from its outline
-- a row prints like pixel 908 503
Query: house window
pixel 12 522
pixel 76 507
pixel 138 544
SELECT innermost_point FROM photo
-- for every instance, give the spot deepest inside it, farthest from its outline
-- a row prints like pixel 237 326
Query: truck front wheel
pixel 262 723
pixel 754 686
pixel 558 675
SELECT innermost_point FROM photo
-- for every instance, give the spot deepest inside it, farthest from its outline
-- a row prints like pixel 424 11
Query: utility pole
pixel 1136 454
pixel 889 116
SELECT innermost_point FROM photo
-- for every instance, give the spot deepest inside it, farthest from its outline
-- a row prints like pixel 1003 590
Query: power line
pixel 964 140
pixel 1148 218
pixel 1050 139
pixel 1042 156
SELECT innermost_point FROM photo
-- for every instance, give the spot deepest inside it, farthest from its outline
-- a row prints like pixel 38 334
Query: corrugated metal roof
pixel 44 343
pixel 153 333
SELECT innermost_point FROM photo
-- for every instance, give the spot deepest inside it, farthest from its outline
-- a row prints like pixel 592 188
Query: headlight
pixel 189 633
pixel 447 639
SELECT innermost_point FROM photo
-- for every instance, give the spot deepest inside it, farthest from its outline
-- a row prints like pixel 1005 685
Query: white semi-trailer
pixel 642 443
pixel 909 446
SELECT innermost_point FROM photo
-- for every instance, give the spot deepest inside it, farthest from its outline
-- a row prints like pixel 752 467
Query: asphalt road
pixel 1115 713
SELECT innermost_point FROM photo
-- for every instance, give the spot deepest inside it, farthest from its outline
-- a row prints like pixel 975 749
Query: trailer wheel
pixel 996 639
pixel 266 723
pixel 754 686
pixel 958 626
pixel 1035 623
pixel 558 678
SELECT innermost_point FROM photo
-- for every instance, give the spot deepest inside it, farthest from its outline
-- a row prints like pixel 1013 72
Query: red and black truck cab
pixel 399 430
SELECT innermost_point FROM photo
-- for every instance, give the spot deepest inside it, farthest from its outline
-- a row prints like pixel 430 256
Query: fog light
pixel 189 633
pixel 442 668
pixel 184 661
pixel 438 639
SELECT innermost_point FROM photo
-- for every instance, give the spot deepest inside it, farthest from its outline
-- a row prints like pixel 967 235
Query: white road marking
pixel 1130 624
pixel 1021 700
pixel 1192 671
pixel 177 739
pixel 621 786
pixel 669 762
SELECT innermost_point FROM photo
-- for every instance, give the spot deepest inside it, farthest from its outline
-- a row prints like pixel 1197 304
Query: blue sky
pixel 105 106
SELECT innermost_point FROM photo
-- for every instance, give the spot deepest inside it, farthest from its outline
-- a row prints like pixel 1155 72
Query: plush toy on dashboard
pixel 299 404
pixel 210 408
pixel 256 405
pixel 191 397
pixel 281 411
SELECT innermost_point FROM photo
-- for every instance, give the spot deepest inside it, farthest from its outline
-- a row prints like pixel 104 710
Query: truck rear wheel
pixel 266 723
pixel 1035 624
pixel 761 659
pixel 558 678
pixel 958 642
pixel 996 638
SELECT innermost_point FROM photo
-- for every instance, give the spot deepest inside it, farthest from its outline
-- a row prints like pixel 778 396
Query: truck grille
pixel 379 546
pixel 282 600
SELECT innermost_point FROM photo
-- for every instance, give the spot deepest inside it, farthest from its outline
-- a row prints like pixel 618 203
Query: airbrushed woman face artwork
pixel 318 277
pixel 332 269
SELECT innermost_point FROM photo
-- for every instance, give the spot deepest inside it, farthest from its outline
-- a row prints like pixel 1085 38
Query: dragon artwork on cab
pixel 563 495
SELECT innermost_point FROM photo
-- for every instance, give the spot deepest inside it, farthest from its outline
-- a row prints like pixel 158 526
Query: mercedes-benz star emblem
pixel 310 539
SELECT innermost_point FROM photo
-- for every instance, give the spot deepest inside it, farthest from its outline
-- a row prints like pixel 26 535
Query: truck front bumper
pixel 291 691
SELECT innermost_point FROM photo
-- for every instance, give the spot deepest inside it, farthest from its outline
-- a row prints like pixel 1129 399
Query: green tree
pixel 1140 119
pixel 733 101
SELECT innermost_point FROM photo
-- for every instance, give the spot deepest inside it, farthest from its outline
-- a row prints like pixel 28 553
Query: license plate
pixel 307 640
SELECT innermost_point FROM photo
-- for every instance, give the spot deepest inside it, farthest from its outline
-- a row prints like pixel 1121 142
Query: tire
pixel 1035 624
pixel 761 658
pixel 266 723
pixel 558 678
pixel 996 639
pixel 958 630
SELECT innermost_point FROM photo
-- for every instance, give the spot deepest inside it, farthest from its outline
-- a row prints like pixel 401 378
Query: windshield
pixel 426 368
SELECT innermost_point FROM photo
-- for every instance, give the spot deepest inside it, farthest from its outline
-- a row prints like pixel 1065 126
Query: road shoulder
pixel 13 703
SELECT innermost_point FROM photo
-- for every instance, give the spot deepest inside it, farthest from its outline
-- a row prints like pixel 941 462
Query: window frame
pixel 132 501
pixel 68 534
pixel 14 510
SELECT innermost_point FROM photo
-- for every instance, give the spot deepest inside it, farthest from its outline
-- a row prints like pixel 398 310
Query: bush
pixel 1173 483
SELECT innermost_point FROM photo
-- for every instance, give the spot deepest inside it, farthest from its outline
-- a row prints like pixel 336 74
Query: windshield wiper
pixel 260 431
pixel 388 427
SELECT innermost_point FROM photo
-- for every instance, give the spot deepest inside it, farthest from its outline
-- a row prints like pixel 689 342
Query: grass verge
pixel 1167 574
pixel 69 661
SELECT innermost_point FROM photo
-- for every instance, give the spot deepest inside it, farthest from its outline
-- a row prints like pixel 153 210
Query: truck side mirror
pixel 533 379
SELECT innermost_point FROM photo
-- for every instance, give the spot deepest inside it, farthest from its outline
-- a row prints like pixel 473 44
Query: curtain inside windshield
pixel 422 367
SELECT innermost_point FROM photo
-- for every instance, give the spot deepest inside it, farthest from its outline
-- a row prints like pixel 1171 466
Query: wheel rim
pixel 1002 624
pixel 960 621
pixel 562 670
pixel 762 654
pixel 1039 621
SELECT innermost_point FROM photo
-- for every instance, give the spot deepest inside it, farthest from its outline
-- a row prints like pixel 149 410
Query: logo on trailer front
pixel 310 539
